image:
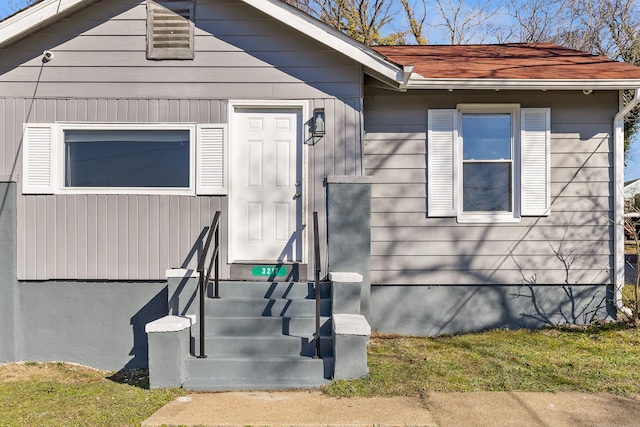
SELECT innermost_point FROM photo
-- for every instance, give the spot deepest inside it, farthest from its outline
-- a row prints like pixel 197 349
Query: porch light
pixel 317 124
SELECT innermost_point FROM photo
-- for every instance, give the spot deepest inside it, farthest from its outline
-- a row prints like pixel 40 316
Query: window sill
pixel 487 219
pixel 149 191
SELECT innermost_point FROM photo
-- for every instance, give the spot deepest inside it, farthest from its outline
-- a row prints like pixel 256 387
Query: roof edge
pixel 374 63
pixel 531 84
pixel 35 17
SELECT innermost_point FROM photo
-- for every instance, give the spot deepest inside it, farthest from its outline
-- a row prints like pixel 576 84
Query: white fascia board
pixel 374 63
pixel 524 84
pixel 36 17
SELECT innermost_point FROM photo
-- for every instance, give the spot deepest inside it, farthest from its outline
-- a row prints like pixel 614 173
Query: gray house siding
pixel 426 271
pixel 102 76
pixel 100 52
pixel 410 248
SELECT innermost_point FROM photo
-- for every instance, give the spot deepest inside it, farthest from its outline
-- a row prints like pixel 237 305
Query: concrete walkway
pixel 312 408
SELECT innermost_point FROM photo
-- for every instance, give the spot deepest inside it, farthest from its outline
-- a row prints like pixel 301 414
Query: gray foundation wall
pixel 437 310
pixel 100 324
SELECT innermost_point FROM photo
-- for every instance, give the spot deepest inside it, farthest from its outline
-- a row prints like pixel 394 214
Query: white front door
pixel 266 185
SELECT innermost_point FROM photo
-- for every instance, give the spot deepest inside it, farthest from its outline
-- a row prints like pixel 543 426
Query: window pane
pixel 486 187
pixel 486 136
pixel 137 158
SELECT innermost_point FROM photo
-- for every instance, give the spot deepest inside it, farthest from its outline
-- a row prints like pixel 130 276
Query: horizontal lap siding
pixel 409 248
pixel 102 75
pixel 240 53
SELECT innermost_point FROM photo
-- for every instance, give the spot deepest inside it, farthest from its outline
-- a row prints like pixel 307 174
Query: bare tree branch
pixel 463 23
pixel 415 25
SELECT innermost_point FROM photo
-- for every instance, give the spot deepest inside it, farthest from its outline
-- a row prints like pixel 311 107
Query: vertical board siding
pixel 410 248
pixel 127 246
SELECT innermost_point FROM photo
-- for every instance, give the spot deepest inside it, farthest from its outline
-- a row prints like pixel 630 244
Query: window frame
pixel 60 145
pixel 488 216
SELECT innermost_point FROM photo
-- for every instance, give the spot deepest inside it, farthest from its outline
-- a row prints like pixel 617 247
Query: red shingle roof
pixel 508 61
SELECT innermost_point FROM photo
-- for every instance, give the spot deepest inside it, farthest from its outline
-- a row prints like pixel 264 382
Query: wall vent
pixel 170 29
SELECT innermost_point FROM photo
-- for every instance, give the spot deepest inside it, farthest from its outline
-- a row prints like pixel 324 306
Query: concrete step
pixel 250 384
pixel 282 345
pixel 261 336
pixel 257 369
pixel 243 307
pixel 258 326
pixel 275 290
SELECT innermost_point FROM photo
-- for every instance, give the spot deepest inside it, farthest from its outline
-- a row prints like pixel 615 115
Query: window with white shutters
pixel 88 158
pixel 488 163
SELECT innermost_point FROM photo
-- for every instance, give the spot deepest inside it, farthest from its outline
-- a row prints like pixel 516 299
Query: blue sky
pixel 632 169
pixel 5 9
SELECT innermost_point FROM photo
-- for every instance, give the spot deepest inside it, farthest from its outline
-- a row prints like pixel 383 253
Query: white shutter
pixel 37 159
pixel 211 160
pixel 441 137
pixel 535 142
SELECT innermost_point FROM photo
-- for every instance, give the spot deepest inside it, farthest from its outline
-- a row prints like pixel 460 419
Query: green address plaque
pixel 268 271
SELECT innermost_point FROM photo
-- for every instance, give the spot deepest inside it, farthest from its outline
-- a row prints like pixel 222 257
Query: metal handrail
pixel 213 232
pixel 316 248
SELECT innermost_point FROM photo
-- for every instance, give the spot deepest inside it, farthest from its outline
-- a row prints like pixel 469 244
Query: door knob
pixel 297 195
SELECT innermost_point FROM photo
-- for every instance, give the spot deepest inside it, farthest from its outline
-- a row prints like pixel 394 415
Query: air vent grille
pixel 170 29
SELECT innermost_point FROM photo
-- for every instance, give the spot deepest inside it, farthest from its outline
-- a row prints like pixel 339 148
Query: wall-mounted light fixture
pixel 317 124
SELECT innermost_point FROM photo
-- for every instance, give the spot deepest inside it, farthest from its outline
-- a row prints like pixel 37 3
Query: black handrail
pixel 202 281
pixel 316 248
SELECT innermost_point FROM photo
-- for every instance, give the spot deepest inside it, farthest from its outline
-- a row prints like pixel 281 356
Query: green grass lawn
pixel 595 359
pixel 60 394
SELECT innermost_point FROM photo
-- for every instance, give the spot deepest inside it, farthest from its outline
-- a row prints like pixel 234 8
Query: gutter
pixel 407 71
pixel 418 82
pixel 618 198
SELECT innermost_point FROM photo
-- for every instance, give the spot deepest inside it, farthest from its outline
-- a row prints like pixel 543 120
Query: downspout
pixel 618 197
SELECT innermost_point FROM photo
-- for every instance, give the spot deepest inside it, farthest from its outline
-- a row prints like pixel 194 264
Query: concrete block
pixel 169 340
pixel 351 335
